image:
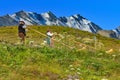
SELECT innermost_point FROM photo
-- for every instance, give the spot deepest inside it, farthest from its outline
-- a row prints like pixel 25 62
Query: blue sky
pixel 105 13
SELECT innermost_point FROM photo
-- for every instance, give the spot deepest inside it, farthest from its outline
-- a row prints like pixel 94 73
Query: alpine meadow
pixel 75 55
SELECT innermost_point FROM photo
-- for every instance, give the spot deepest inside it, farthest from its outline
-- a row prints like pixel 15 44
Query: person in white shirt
pixel 49 38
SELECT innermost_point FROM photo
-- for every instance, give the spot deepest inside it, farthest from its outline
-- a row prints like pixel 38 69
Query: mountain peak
pixel 48 18
pixel 22 11
pixel 78 16
pixel 7 15
pixel 49 14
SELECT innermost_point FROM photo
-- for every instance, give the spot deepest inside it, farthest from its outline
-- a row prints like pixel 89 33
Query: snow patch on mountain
pixel 48 18
pixel 117 32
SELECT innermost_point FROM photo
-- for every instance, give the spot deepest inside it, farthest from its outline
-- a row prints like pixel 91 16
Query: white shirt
pixel 24 26
pixel 49 34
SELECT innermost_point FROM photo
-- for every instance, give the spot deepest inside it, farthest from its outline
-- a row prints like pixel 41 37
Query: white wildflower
pixel 104 79
pixel 37 46
pixel 5 47
pixel 100 54
pixel 44 43
pixel 72 69
pixel 71 66
pixel 67 71
pixel 114 55
pixel 78 73
pixel 78 69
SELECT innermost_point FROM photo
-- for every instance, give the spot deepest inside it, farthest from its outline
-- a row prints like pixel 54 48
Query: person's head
pixel 48 30
pixel 21 22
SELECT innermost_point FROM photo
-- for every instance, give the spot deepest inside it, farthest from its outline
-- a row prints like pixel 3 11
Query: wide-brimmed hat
pixel 22 21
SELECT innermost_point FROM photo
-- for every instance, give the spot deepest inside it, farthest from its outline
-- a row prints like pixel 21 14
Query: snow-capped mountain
pixel 79 22
pixel 48 18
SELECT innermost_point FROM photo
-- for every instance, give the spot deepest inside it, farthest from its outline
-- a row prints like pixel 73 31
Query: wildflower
pixel 72 69
pixel 109 51
pixel 17 43
pixel 100 54
pixel 71 66
pixel 78 73
pixel 114 55
pixel 104 79
pixel 67 71
pixel 37 46
pixel 44 43
pixel 5 47
pixel 92 63
pixel 78 69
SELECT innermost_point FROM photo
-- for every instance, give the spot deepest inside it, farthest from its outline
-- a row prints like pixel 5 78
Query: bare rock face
pixel 7 21
pixel 107 33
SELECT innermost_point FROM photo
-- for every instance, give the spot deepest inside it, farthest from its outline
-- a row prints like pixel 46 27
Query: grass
pixel 26 62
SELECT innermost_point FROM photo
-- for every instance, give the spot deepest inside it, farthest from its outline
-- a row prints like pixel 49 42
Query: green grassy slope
pixel 30 62
pixel 9 34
